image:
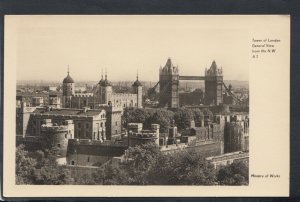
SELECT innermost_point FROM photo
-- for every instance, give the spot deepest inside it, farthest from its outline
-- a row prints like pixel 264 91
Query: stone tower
pixel 213 85
pixel 138 89
pixel 100 90
pixel 55 135
pixel 105 90
pixel 68 90
pixel 169 85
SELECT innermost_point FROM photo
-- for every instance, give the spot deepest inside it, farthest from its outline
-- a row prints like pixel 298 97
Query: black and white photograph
pixel 145 101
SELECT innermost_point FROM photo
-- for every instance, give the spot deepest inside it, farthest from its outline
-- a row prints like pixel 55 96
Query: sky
pixel 123 45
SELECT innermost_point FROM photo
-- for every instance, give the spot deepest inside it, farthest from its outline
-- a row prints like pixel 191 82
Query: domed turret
pixel 68 90
pixel 68 79
pixel 137 82
pixel 105 82
pixel 138 90
pixel 102 80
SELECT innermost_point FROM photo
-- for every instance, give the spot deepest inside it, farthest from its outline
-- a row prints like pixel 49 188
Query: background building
pixel 101 94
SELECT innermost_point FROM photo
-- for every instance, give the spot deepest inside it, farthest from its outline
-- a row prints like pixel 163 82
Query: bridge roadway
pixel 197 78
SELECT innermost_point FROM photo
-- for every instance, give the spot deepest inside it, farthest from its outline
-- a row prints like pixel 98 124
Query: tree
pixel 25 166
pixel 182 168
pixel 236 173
pixel 52 175
pixel 135 115
pixel 208 114
pixel 39 167
pixel 133 171
pixel 198 115
pixel 162 117
pixel 49 171
pixel 183 117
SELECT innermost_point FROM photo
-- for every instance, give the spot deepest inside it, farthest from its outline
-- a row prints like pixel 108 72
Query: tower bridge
pixel 169 85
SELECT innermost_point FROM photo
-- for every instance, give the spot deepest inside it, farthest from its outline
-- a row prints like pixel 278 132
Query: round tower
pixel 138 90
pixel 55 135
pixel 68 90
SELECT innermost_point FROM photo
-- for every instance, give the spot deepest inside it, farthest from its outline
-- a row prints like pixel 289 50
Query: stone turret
pixel 68 90
pixel 138 90
pixel 55 135
pixel 105 90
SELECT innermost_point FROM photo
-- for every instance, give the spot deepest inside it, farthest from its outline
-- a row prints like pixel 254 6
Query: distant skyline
pixel 123 45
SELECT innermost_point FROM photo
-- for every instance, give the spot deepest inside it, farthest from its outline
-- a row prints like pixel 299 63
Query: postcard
pixel 137 105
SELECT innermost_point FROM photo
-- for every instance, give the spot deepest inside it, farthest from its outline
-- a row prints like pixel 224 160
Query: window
pixel 66 135
pixel 116 123
pixel 88 160
pixel 79 125
pixel 58 145
pixel 116 132
pixel 101 124
pixel 72 163
pixel 87 125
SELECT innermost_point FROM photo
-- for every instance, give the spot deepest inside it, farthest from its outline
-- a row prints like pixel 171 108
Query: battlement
pixel 83 95
pixel 139 136
pixel 94 142
pixel 53 128
pixel 124 95
pixel 225 157
pixel 144 134
pixel 48 126
pixel 135 127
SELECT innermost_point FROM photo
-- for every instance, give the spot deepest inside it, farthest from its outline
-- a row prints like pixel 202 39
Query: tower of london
pixel 102 94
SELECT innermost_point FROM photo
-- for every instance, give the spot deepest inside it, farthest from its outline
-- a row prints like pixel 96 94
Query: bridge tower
pixel 213 85
pixel 169 85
